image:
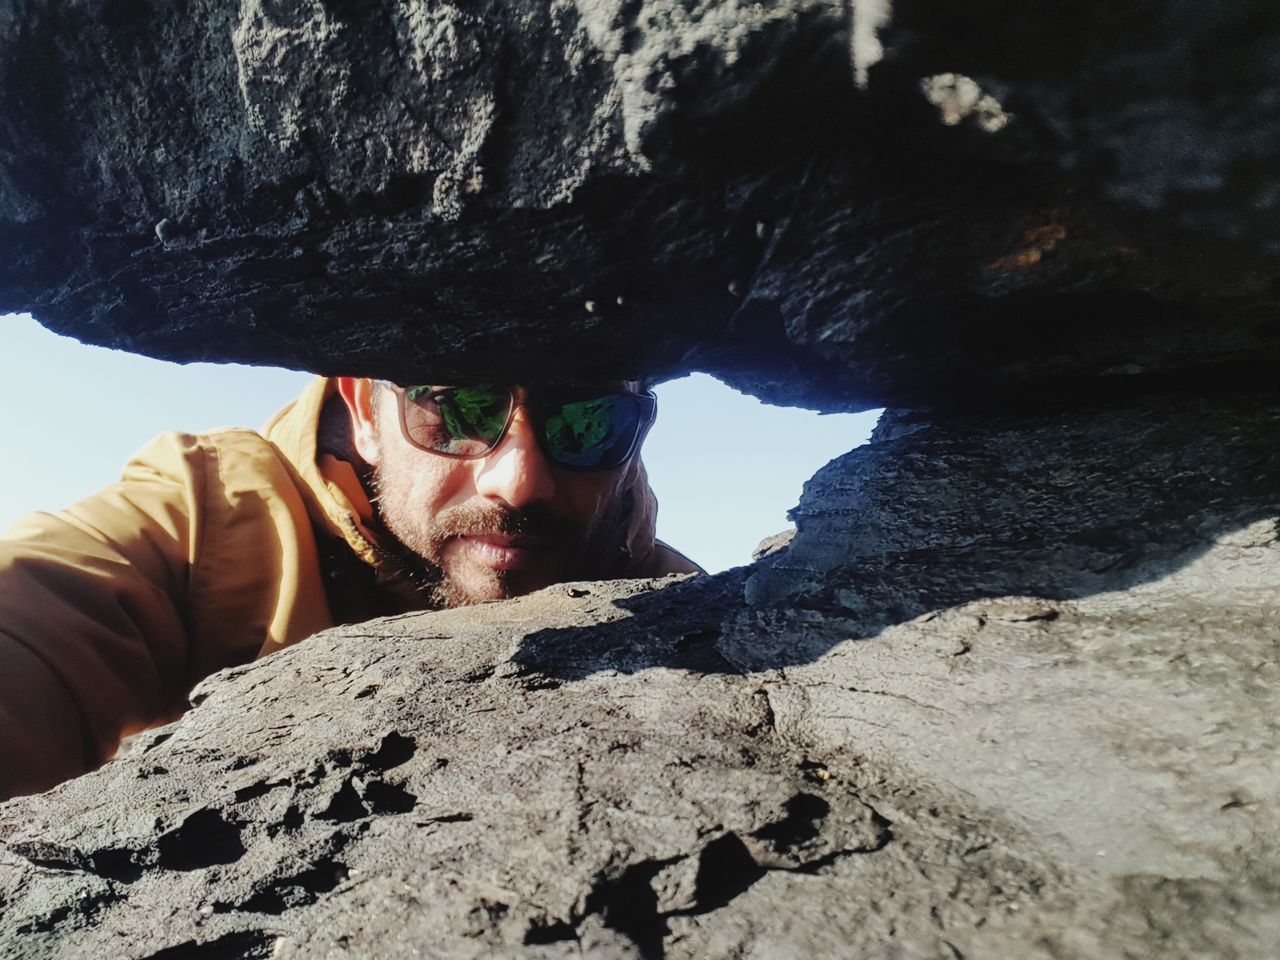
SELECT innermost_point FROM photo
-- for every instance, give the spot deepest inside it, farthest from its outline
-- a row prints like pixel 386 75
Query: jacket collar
pixel 338 502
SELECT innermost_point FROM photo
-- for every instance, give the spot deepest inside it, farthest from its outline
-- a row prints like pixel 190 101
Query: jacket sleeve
pixel 93 631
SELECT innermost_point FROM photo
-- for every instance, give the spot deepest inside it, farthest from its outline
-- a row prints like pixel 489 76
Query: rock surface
pixel 1011 691
pixel 804 198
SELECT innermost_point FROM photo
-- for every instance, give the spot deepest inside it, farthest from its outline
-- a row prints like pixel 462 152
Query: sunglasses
pixel 580 429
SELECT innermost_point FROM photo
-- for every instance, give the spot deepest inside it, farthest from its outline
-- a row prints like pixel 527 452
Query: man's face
pixel 500 525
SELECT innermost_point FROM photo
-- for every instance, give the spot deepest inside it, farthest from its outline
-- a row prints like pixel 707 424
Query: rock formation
pixel 770 192
pixel 1011 689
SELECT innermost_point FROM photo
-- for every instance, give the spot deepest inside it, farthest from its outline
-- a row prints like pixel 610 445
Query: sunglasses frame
pixel 518 397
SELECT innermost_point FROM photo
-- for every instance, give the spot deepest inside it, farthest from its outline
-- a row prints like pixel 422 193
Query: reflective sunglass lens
pixel 596 433
pixel 459 421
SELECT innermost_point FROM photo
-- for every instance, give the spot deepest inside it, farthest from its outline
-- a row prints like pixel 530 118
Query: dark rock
pixel 409 189
pixel 1134 96
pixel 1010 692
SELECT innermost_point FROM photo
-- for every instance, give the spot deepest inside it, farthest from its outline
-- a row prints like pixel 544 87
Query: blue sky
pixel 725 467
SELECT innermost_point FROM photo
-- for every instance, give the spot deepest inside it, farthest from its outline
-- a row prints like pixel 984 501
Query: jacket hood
pixel 339 503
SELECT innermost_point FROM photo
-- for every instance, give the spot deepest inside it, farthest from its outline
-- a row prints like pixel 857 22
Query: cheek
pixel 423 482
pixel 440 485
pixel 588 497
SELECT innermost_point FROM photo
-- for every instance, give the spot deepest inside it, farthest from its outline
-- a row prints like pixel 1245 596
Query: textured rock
pixel 407 189
pixel 1010 691
pixel 1136 95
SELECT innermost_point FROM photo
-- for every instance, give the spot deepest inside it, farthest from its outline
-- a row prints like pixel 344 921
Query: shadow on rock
pixel 1048 508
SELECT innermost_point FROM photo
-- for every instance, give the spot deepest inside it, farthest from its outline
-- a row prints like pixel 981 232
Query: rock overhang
pixel 1009 689
pixel 645 188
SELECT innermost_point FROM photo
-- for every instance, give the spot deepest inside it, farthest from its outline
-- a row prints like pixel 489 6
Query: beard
pixel 586 548
pixel 417 546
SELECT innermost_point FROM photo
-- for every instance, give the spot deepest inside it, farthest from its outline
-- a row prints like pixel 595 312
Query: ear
pixel 358 394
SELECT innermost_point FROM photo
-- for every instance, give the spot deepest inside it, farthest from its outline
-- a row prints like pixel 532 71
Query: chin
pixel 485 586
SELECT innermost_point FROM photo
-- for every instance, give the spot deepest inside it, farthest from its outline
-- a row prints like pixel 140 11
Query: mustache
pixel 465 520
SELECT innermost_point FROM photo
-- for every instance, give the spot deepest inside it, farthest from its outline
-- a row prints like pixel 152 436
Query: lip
pixel 506 552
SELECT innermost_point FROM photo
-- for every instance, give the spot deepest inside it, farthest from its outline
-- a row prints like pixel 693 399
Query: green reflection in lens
pixel 474 413
pixel 583 432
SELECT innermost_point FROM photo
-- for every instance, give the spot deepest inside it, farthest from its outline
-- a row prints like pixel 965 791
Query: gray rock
pixel 1011 688
pixel 804 198
pixel 773 544
pixel 1011 691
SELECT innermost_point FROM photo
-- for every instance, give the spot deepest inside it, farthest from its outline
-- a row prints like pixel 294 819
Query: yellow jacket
pixel 211 550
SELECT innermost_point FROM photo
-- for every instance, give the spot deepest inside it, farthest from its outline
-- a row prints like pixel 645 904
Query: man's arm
pixel 93 638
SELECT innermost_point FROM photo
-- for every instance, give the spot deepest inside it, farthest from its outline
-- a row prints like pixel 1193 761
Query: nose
pixel 517 472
